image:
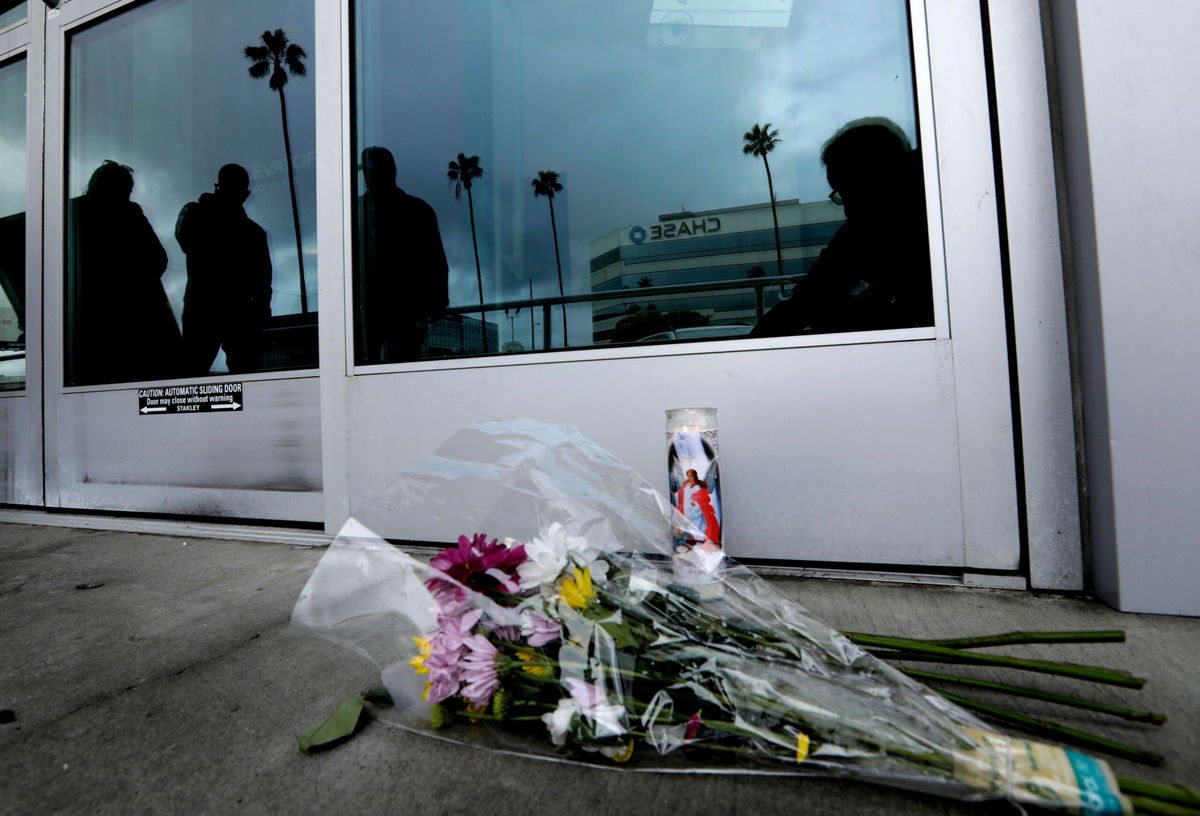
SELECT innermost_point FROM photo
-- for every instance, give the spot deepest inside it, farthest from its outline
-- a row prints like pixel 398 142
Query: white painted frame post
pixel 1038 295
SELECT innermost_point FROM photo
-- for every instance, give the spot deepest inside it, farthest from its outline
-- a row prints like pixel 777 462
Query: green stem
pixel 1015 638
pixel 1142 804
pixel 1057 731
pixel 1020 691
pixel 1170 793
pixel 516 664
pixel 920 650
pixel 480 715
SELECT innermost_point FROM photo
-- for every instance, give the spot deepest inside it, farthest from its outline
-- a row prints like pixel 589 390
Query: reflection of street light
pixel 532 336
pixel 512 316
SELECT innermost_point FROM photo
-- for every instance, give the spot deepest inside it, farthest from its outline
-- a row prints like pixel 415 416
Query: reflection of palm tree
pixel 277 57
pixel 761 140
pixel 463 172
pixel 547 184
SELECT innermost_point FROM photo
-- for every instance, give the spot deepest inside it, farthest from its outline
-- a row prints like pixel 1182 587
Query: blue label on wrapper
pixel 1096 798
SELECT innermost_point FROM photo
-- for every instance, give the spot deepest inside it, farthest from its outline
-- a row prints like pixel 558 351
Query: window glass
pixel 543 175
pixel 12 224
pixel 12 12
pixel 191 213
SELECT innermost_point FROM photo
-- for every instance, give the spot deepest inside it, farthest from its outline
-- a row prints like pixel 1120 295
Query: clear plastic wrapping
pixel 561 633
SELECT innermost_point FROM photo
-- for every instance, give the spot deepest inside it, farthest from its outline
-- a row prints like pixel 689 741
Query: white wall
pixel 1127 74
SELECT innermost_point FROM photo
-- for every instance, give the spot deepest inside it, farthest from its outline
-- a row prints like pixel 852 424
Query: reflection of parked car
pixel 699 333
pixel 12 365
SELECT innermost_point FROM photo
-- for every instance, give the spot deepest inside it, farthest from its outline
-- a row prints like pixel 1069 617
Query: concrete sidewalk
pixel 177 687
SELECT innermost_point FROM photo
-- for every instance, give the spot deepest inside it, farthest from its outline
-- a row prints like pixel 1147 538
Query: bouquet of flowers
pixel 573 641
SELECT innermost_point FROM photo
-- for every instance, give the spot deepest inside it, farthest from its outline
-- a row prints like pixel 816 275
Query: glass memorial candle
pixel 694 487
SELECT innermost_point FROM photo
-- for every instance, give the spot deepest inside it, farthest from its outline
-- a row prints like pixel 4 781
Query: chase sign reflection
pixel 675 229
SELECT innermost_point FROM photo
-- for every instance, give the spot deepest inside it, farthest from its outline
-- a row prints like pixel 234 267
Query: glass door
pixel 181 342
pixel 591 214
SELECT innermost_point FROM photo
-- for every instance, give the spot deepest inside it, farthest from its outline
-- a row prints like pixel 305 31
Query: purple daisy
pixel 445 676
pixel 539 629
pixel 479 671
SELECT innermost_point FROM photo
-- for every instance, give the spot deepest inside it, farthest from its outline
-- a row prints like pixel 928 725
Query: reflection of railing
pixel 642 292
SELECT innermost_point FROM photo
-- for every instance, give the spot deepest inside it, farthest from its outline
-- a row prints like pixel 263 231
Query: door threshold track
pixel 169 527
pixel 965 579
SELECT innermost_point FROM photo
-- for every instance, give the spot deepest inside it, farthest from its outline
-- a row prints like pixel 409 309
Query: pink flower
pixel 477 564
pixel 507 634
pixel 444 673
pixel 693 728
pixel 479 670
pixel 585 695
pixel 455 622
pixel 539 629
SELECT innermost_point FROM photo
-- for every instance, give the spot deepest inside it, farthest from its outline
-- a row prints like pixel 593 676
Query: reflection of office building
pixel 455 335
pixel 732 244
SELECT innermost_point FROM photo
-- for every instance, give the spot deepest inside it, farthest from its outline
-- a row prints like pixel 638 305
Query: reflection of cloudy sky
pixel 163 88
pixel 12 138
pixel 12 11
pixel 635 129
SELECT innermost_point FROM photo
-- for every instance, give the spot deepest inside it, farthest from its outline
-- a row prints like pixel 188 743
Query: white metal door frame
pixel 22 409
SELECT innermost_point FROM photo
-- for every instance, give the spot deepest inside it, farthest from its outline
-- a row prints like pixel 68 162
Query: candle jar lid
pixel 692 418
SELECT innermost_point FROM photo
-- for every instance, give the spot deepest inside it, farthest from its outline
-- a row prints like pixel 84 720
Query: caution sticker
pixel 191 399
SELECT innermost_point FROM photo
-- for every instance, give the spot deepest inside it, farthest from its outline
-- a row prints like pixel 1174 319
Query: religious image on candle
pixel 694 478
pixel 695 491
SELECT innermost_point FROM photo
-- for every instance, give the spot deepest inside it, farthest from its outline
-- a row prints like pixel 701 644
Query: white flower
pixel 550 554
pixel 586 701
pixel 593 705
pixel 607 719
pixel 547 558
pixel 559 720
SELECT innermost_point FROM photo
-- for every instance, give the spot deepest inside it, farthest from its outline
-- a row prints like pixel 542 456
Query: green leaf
pixel 380 696
pixel 622 637
pixel 339 725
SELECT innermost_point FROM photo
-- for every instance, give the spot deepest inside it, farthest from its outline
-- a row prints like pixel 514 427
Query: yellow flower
pixel 625 755
pixel 577 591
pixel 418 662
pixel 530 657
pixel 472 708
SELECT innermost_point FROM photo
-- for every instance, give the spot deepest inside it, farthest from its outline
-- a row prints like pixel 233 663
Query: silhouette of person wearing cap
pixel 120 323
pixel 874 274
pixel 228 297
pixel 403 277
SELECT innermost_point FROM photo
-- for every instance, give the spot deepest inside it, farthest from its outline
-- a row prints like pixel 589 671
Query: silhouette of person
pixel 403 275
pixel 12 269
pixel 874 273
pixel 121 325
pixel 228 297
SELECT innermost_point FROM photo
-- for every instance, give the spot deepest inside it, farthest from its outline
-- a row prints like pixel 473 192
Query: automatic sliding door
pixel 630 206
pixel 184 253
